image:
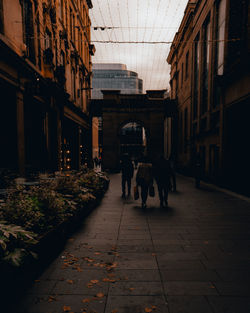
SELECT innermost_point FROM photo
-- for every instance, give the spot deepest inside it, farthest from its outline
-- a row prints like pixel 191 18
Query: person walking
pixel 127 170
pixel 144 178
pixel 162 174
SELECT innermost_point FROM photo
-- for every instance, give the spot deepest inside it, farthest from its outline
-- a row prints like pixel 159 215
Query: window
pixel 73 84
pixel 47 40
pixel 181 132
pixel 220 28
pixel 1 17
pixel 206 60
pixel 80 42
pixel 62 58
pixel 28 22
pixel 71 24
pixel 185 129
pixel 182 74
pixel 187 65
pixel 196 74
pixel 61 5
pixel 66 15
pixel 74 29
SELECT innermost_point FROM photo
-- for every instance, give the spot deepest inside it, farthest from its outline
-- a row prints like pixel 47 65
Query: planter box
pixel 16 280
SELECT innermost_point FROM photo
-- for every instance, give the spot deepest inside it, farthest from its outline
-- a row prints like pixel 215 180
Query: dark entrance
pixel 133 140
pixel 8 128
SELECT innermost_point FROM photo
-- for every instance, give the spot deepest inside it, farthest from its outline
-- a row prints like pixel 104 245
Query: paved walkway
pixel 193 257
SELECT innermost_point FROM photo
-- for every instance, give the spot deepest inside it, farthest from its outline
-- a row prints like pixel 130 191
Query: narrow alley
pixel 192 257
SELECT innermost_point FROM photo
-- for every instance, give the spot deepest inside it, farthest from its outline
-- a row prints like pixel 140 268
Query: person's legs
pixel 123 186
pixel 159 185
pixel 144 194
pixel 165 191
pixel 174 181
pixel 129 186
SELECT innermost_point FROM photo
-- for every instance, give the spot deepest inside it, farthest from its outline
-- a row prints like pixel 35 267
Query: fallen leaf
pixel 154 254
pixel 131 289
pixel 97 253
pixel 113 265
pixel 108 280
pixel 148 310
pixel 154 307
pixel 66 308
pixel 114 311
pixel 94 281
pixel 79 269
pixel 86 300
pixel 212 287
pixel 100 295
pixel 69 281
pixel 51 299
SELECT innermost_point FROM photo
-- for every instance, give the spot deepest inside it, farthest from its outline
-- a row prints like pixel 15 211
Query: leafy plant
pixel 14 243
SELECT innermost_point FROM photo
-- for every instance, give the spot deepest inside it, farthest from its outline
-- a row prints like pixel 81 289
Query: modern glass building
pixel 108 76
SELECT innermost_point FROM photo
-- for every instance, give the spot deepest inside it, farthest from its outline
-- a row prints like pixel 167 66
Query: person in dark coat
pixel 144 178
pixel 127 170
pixel 162 174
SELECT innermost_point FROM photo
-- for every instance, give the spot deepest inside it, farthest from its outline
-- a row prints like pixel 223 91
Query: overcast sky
pixel 140 21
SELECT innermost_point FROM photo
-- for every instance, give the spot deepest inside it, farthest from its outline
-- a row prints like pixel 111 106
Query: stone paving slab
pixel 136 304
pixel 189 304
pixel 193 257
pixel 229 304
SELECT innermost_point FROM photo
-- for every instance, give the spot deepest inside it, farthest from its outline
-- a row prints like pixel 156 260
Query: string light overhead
pixel 134 31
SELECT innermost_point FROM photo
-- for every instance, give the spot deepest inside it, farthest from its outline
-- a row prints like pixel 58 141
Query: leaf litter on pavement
pixel 71 261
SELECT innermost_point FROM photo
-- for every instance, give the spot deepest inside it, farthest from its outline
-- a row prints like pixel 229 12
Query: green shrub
pixel 15 244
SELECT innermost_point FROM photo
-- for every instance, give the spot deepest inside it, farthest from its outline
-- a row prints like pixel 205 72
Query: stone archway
pixel 117 110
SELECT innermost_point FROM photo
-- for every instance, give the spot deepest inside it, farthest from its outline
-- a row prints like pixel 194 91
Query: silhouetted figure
pixel 96 161
pixel 144 178
pixel 136 162
pixel 172 174
pixel 127 170
pixel 162 174
pixel 197 170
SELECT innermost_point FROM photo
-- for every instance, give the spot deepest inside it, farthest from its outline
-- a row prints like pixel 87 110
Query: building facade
pixel 45 81
pixel 114 76
pixel 210 82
